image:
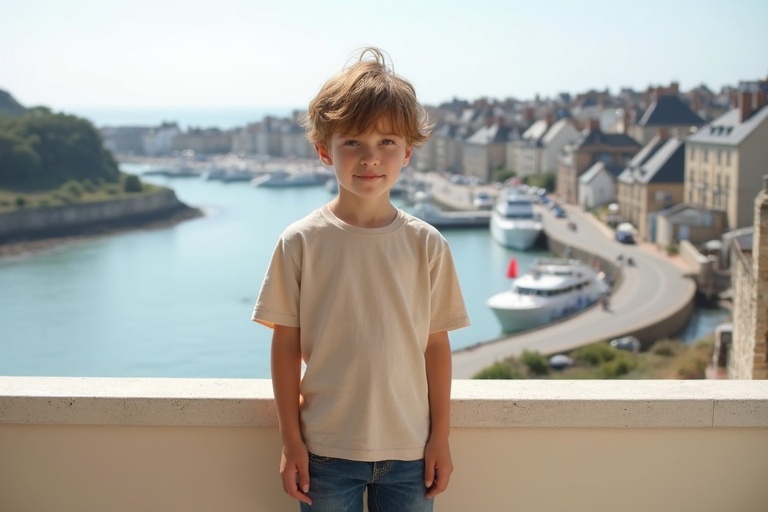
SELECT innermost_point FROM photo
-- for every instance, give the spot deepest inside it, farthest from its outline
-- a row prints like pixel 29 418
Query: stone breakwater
pixel 92 218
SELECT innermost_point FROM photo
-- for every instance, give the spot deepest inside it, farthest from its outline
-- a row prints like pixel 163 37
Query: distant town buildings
pixel 726 159
pixel 659 154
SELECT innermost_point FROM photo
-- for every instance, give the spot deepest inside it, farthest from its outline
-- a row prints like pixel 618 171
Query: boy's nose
pixel 369 157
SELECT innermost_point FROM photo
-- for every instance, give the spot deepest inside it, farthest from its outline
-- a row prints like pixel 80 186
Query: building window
pixel 705 155
pixel 606 158
pixel 662 198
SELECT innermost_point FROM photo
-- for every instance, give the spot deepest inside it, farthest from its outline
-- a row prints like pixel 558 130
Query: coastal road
pixel 655 286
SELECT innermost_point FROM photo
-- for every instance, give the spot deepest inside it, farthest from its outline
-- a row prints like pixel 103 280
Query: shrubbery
pixel 500 371
pixel 40 150
pixel 594 361
pixel 595 354
pixel 131 183
pixel 536 363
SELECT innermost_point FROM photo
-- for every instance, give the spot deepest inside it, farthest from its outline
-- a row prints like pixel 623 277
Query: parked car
pixel 560 361
pixel 625 233
pixel 482 200
pixel 628 343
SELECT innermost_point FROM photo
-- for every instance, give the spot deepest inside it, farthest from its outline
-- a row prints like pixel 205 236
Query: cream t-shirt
pixel 366 300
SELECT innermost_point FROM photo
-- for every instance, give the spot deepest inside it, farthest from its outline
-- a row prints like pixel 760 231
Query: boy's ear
pixel 323 153
pixel 408 153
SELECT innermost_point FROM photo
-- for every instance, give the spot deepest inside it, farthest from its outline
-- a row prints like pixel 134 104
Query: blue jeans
pixel 337 485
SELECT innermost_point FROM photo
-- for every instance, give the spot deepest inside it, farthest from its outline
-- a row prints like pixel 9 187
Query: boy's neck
pixel 364 214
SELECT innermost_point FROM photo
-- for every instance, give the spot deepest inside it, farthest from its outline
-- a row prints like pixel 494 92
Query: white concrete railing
pixel 82 444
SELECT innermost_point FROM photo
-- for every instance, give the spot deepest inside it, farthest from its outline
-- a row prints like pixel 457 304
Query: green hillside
pixel 9 106
pixel 41 150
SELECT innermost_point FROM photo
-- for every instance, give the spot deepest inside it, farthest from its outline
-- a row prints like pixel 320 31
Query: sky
pixel 277 53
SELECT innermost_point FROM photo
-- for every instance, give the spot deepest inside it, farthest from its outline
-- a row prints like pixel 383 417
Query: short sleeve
pixel 448 311
pixel 278 300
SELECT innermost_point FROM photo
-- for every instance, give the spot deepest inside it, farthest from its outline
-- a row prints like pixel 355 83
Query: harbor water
pixel 176 301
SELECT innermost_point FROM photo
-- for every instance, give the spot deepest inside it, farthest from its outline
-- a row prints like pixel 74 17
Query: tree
pixel 544 180
pixel 43 150
pixel 19 162
pixel 132 183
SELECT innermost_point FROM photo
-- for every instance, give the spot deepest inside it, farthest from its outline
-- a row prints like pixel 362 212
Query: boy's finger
pixel 303 478
pixel 429 474
pixel 440 485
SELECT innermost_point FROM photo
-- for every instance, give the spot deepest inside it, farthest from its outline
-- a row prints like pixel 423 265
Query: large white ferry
pixel 551 290
pixel 514 224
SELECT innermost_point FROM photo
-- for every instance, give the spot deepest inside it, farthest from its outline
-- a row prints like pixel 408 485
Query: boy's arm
pixel 286 377
pixel 438 465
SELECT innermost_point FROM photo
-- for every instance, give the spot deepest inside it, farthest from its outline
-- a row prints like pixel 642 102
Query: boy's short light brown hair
pixel 365 93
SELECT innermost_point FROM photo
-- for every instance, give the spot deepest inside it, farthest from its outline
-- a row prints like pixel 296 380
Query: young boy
pixel 364 294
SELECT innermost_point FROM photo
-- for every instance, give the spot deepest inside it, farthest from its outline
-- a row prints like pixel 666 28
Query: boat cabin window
pixel 521 290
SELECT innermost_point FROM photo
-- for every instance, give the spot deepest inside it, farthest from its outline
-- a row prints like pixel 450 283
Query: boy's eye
pixel 351 143
pixel 387 142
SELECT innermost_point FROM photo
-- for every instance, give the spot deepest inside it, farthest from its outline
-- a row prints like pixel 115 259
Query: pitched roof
pixel 646 152
pixel 598 168
pixel 591 173
pixel 663 162
pixel 728 129
pixel 536 130
pixel 686 212
pixel 597 137
pixel 553 130
pixel 494 133
pixel 669 111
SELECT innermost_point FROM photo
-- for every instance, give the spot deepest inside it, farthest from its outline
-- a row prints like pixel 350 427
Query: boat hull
pixel 519 235
pixel 518 314
pixel 444 220
pixel 298 180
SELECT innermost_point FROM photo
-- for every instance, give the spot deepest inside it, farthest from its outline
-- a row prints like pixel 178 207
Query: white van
pixel 625 233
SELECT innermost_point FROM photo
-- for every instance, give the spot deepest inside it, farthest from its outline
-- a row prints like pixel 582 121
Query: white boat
pixel 432 214
pixel 551 290
pixel 235 175
pixel 290 179
pixel 514 224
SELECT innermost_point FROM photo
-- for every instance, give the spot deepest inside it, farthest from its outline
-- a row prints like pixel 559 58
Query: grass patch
pixel 666 359
pixel 75 192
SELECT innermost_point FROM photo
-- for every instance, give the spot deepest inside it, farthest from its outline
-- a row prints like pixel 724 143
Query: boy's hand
pixel 294 472
pixel 438 467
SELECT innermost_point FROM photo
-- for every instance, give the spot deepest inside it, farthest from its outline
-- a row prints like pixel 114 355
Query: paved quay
pixel 649 292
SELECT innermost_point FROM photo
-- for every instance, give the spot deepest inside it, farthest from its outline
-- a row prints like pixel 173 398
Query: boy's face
pixel 367 164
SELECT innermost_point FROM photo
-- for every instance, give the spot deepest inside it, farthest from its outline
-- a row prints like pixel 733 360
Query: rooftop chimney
pixel 744 104
pixel 758 99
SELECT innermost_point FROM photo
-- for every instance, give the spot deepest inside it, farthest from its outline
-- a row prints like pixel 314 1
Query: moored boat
pixel 551 290
pixel 290 179
pixel 441 219
pixel 514 224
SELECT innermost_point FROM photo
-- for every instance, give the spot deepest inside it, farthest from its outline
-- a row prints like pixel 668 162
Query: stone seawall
pixel 77 219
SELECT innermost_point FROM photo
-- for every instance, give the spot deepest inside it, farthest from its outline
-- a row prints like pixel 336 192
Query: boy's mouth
pixel 368 177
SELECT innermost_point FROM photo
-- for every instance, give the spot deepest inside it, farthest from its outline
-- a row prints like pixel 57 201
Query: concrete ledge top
pixel 475 403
